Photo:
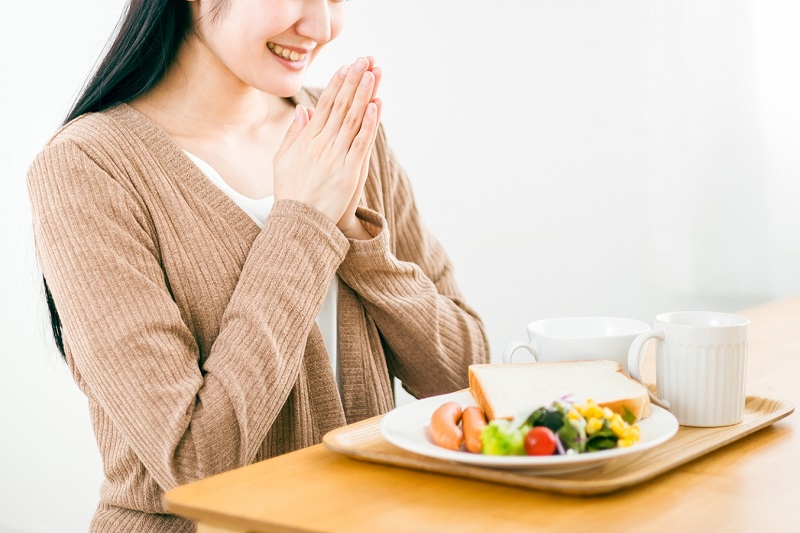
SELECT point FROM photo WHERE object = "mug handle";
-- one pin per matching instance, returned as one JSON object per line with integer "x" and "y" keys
{"x": 512, "y": 347}
{"x": 635, "y": 356}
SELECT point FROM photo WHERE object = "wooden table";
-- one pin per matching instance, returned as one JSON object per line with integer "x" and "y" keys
{"x": 750, "y": 485}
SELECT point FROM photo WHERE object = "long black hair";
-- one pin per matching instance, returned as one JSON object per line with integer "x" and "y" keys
{"x": 146, "y": 41}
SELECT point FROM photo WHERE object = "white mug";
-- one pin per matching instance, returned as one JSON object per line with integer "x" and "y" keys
{"x": 701, "y": 359}
{"x": 579, "y": 339}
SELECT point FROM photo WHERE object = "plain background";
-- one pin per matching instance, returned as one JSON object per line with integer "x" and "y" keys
{"x": 575, "y": 158}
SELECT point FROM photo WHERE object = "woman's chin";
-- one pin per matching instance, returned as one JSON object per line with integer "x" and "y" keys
{"x": 289, "y": 93}
{"x": 282, "y": 90}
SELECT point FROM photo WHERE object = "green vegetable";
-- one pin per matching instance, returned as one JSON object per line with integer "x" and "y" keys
{"x": 552, "y": 417}
{"x": 628, "y": 416}
{"x": 602, "y": 443}
{"x": 536, "y": 417}
{"x": 573, "y": 435}
{"x": 499, "y": 437}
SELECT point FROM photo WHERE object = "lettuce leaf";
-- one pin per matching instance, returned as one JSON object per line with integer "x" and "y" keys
{"x": 573, "y": 436}
{"x": 500, "y": 437}
{"x": 628, "y": 416}
{"x": 603, "y": 439}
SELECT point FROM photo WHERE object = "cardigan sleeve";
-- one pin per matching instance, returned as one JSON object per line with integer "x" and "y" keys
{"x": 99, "y": 254}
{"x": 405, "y": 280}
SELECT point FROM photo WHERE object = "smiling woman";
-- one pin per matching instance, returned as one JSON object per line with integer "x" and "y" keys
{"x": 234, "y": 264}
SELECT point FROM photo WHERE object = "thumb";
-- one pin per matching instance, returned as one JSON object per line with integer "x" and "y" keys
{"x": 300, "y": 121}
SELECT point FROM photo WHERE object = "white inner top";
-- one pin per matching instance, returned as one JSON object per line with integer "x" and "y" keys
{"x": 258, "y": 209}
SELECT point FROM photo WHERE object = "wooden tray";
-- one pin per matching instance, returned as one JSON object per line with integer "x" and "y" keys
{"x": 363, "y": 440}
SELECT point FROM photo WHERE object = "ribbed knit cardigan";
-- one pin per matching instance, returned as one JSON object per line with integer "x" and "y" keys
{"x": 192, "y": 332}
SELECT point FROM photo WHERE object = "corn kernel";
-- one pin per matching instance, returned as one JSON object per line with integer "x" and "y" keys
{"x": 624, "y": 443}
{"x": 593, "y": 425}
{"x": 618, "y": 427}
{"x": 593, "y": 412}
{"x": 608, "y": 414}
{"x": 573, "y": 415}
{"x": 629, "y": 434}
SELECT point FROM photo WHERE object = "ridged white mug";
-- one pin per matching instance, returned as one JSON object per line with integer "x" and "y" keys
{"x": 701, "y": 358}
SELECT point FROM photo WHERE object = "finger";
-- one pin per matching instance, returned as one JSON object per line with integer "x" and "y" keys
{"x": 344, "y": 99}
{"x": 351, "y": 124}
{"x": 362, "y": 144}
{"x": 299, "y": 122}
{"x": 326, "y": 100}
{"x": 378, "y": 109}
{"x": 305, "y": 116}
{"x": 378, "y": 73}
{"x": 364, "y": 173}
{"x": 365, "y": 166}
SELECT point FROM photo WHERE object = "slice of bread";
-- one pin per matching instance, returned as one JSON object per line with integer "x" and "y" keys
{"x": 506, "y": 390}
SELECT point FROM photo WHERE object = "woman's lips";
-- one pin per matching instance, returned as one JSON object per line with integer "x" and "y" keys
{"x": 285, "y": 53}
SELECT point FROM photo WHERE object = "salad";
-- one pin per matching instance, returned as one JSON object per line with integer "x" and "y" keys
{"x": 561, "y": 428}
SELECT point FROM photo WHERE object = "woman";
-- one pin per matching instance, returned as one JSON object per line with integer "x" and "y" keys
{"x": 234, "y": 265}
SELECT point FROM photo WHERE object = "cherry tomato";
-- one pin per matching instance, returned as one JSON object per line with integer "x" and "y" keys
{"x": 540, "y": 440}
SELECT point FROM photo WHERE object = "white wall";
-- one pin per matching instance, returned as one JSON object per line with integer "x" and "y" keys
{"x": 621, "y": 158}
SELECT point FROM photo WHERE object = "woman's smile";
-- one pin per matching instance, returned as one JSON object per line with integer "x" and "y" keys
{"x": 286, "y": 52}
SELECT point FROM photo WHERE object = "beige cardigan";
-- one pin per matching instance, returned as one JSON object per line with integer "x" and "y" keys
{"x": 192, "y": 332}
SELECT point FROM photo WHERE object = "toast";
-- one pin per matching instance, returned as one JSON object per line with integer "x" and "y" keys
{"x": 506, "y": 390}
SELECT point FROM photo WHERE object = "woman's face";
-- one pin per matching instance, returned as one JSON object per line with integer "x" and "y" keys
{"x": 267, "y": 44}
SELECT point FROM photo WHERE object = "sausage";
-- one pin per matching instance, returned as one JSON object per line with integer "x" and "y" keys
{"x": 444, "y": 426}
{"x": 473, "y": 421}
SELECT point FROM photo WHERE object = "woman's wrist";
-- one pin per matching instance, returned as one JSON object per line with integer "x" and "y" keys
{"x": 354, "y": 229}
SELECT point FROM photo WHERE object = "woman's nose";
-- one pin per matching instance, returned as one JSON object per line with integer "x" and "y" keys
{"x": 315, "y": 21}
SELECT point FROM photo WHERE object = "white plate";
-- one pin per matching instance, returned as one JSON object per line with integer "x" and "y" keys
{"x": 407, "y": 427}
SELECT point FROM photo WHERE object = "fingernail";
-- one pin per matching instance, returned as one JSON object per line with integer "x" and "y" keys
{"x": 343, "y": 71}
{"x": 366, "y": 80}
{"x": 361, "y": 64}
{"x": 298, "y": 112}
{"x": 371, "y": 109}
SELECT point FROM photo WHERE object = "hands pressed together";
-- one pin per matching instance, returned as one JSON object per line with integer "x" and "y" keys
{"x": 324, "y": 158}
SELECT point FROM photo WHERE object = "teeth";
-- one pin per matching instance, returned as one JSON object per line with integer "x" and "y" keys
{"x": 290, "y": 55}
